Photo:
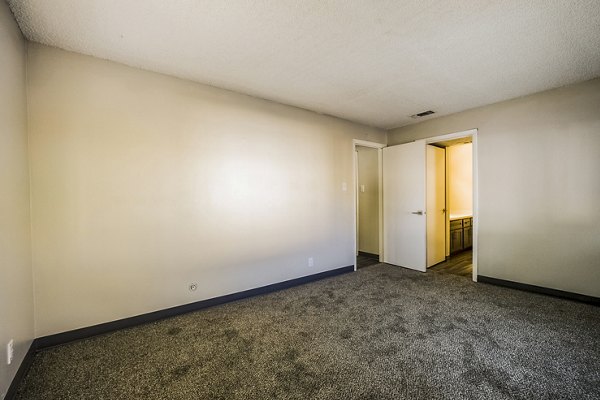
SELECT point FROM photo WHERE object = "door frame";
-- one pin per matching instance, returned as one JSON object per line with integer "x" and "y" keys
{"x": 472, "y": 133}
{"x": 379, "y": 147}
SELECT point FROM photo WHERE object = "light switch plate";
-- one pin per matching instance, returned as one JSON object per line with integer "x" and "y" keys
{"x": 10, "y": 352}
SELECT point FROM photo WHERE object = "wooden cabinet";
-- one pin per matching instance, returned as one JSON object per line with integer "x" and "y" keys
{"x": 456, "y": 224}
{"x": 461, "y": 234}
{"x": 468, "y": 237}
{"x": 456, "y": 240}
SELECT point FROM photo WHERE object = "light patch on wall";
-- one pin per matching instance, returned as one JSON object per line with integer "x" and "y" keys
{"x": 249, "y": 188}
{"x": 460, "y": 179}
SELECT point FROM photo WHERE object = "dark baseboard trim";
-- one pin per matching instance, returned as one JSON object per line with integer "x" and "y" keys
{"x": 82, "y": 333}
{"x": 21, "y": 372}
{"x": 539, "y": 289}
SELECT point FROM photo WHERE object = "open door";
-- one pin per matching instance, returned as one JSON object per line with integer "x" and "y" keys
{"x": 436, "y": 205}
{"x": 404, "y": 222}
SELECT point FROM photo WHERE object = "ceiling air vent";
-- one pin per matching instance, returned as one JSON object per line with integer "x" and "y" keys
{"x": 422, "y": 114}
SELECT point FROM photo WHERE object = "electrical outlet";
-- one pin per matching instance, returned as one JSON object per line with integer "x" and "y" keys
{"x": 311, "y": 262}
{"x": 10, "y": 352}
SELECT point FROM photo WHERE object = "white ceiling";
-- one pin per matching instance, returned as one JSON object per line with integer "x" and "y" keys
{"x": 371, "y": 61}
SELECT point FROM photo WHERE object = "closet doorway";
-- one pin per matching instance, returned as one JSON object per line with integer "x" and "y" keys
{"x": 368, "y": 202}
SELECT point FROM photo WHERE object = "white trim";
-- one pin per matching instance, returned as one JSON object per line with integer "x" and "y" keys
{"x": 475, "y": 222}
{"x": 452, "y": 136}
{"x": 473, "y": 134}
{"x": 379, "y": 147}
{"x": 357, "y": 206}
{"x": 364, "y": 143}
{"x": 380, "y": 171}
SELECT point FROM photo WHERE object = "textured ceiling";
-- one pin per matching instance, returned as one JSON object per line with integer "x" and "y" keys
{"x": 371, "y": 61}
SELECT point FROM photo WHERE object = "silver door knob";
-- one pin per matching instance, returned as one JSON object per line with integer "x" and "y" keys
{"x": 420, "y": 212}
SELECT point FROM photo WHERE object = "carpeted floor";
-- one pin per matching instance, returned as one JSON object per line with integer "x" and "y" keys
{"x": 382, "y": 332}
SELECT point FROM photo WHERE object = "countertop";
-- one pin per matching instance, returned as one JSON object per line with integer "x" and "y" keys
{"x": 459, "y": 216}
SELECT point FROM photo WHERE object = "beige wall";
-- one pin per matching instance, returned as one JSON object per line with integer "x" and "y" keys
{"x": 143, "y": 183}
{"x": 539, "y": 191}
{"x": 16, "y": 296}
{"x": 460, "y": 179}
{"x": 368, "y": 201}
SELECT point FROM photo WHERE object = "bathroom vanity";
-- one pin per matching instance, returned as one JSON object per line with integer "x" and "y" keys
{"x": 461, "y": 233}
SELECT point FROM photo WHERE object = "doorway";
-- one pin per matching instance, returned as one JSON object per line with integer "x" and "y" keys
{"x": 450, "y": 206}
{"x": 368, "y": 202}
{"x": 405, "y": 204}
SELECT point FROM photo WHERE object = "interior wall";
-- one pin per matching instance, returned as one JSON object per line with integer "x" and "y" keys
{"x": 539, "y": 193}
{"x": 16, "y": 292}
{"x": 460, "y": 179}
{"x": 144, "y": 183}
{"x": 368, "y": 201}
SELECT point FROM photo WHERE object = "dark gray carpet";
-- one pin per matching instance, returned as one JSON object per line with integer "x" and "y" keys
{"x": 380, "y": 333}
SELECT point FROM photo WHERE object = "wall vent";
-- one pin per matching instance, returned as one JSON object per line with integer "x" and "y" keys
{"x": 422, "y": 114}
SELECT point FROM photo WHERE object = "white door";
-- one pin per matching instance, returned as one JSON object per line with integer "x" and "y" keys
{"x": 404, "y": 223}
{"x": 436, "y": 205}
